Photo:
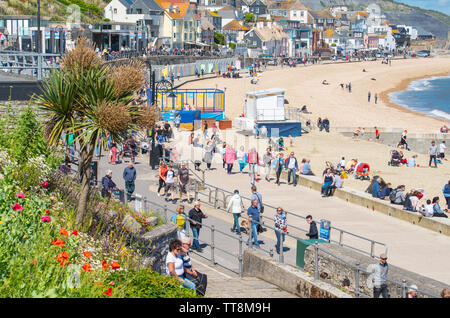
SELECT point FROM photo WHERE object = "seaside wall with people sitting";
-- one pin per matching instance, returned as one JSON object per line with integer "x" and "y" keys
{"x": 337, "y": 271}
{"x": 438, "y": 225}
{"x": 418, "y": 142}
{"x": 287, "y": 277}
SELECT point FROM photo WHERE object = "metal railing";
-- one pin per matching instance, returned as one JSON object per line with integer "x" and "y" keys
{"x": 23, "y": 62}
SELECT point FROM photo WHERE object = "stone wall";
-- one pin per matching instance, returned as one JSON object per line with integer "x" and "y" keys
{"x": 338, "y": 270}
{"x": 287, "y": 277}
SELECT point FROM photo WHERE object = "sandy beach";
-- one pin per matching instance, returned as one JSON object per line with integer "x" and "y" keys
{"x": 343, "y": 109}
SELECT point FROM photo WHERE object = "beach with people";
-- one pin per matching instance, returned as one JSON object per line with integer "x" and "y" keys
{"x": 345, "y": 109}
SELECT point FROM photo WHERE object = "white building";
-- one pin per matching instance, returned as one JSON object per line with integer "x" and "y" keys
{"x": 411, "y": 31}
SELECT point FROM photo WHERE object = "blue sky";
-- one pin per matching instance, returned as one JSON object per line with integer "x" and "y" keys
{"x": 438, "y": 5}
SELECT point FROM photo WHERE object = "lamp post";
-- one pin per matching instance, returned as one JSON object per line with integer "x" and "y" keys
{"x": 38, "y": 37}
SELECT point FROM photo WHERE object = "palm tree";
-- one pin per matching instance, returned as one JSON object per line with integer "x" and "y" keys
{"x": 92, "y": 100}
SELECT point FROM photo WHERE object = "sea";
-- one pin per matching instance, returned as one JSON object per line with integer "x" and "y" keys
{"x": 430, "y": 96}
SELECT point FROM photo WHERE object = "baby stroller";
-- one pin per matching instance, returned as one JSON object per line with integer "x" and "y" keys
{"x": 362, "y": 171}
{"x": 395, "y": 159}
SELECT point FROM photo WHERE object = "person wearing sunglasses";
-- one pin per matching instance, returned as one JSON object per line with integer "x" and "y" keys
{"x": 174, "y": 264}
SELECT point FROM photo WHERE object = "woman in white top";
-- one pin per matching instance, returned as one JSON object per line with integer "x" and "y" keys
{"x": 174, "y": 264}
{"x": 241, "y": 158}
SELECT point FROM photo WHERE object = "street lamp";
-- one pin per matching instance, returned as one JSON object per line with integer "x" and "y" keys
{"x": 38, "y": 37}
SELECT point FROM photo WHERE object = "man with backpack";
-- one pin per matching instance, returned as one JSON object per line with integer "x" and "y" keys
{"x": 397, "y": 196}
{"x": 256, "y": 196}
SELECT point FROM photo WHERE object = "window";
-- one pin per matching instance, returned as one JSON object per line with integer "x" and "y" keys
{"x": 185, "y": 36}
{"x": 174, "y": 35}
{"x": 139, "y": 11}
{"x": 213, "y": 2}
{"x": 256, "y": 10}
{"x": 185, "y": 24}
{"x": 115, "y": 10}
{"x": 254, "y": 42}
{"x": 174, "y": 23}
{"x": 224, "y": 1}
{"x": 190, "y": 24}
{"x": 295, "y": 13}
{"x": 190, "y": 36}
{"x": 302, "y": 13}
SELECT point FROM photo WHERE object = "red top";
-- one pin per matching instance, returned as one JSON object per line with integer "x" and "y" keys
{"x": 162, "y": 172}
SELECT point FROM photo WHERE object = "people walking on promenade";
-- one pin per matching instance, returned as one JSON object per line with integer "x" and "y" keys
{"x": 279, "y": 165}
{"x": 253, "y": 212}
{"x": 281, "y": 226}
{"x": 183, "y": 181}
{"x": 446, "y": 192}
{"x": 253, "y": 161}
{"x": 208, "y": 156}
{"x": 108, "y": 185}
{"x": 129, "y": 175}
{"x": 169, "y": 176}
{"x": 179, "y": 219}
{"x": 368, "y": 97}
{"x": 313, "y": 233}
{"x": 241, "y": 157}
{"x": 267, "y": 160}
{"x": 292, "y": 167}
{"x": 161, "y": 176}
{"x": 235, "y": 206}
{"x": 230, "y": 157}
{"x": 376, "y": 97}
{"x": 196, "y": 215}
{"x": 379, "y": 272}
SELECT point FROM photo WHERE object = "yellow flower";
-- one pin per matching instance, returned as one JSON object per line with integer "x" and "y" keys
{"x": 1, "y": 222}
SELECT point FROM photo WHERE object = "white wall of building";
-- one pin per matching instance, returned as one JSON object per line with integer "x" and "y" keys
{"x": 117, "y": 12}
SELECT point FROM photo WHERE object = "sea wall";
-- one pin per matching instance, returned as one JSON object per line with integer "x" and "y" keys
{"x": 337, "y": 271}
{"x": 287, "y": 277}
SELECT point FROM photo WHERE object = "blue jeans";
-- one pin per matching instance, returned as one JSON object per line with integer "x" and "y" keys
{"x": 254, "y": 234}
{"x": 187, "y": 283}
{"x": 195, "y": 233}
{"x": 236, "y": 225}
{"x": 325, "y": 187}
{"x": 294, "y": 176}
{"x": 279, "y": 236}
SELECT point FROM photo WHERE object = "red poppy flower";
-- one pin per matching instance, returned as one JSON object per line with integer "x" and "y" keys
{"x": 74, "y": 232}
{"x": 17, "y": 207}
{"x": 47, "y": 211}
{"x": 105, "y": 264}
{"x": 46, "y": 218}
{"x": 87, "y": 254}
{"x": 34, "y": 262}
{"x": 58, "y": 242}
{"x": 45, "y": 184}
{"x": 108, "y": 291}
{"x": 20, "y": 195}
{"x": 115, "y": 265}
{"x": 98, "y": 283}
{"x": 86, "y": 267}
{"x": 63, "y": 232}
{"x": 64, "y": 255}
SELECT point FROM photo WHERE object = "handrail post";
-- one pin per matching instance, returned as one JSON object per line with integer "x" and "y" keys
{"x": 212, "y": 245}
{"x": 196, "y": 191}
{"x": 203, "y": 177}
{"x": 215, "y": 197}
{"x": 357, "y": 280}
{"x": 372, "y": 248}
{"x": 341, "y": 237}
{"x": 316, "y": 260}
{"x": 250, "y": 230}
{"x": 39, "y": 66}
{"x": 165, "y": 212}
{"x": 240, "y": 258}
{"x": 404, "y": 286}
{"x": 145, "y": 204}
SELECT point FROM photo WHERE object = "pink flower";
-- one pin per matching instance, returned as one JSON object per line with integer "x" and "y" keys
{"x": 17, "y": 207}
{"x": 20, "y": 195}
{"x": 45, "y": 184}
{"x": 46, "y": 218}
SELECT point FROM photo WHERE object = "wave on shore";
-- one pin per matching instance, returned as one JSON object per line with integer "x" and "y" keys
{"x": 430, "y": 96}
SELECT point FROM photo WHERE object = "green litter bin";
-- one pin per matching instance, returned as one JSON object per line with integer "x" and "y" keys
{"x": 301, "y": 247}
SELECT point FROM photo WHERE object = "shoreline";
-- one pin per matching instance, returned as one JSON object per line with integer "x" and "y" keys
{"x": 402, "y": 86}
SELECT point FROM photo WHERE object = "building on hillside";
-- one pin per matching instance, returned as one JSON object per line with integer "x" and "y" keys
{"x": 401, "y": 36}
{"x": 228, "y": 14}
{"x": 118, "y": 36}
{"x": 179, "y": 25}
{"x": 213, "y": 17}
{"x": 422, "y": 34}
{"x": 300, "y": 37}
{"x": 412, "y": 31}
{"x": 146, "y": 14}
{"x": 234, "y": 32}
{"x": 206, "y": 31}
{"x": 293, "y": 10}
{"x": 215, "y": 5}
{"x": 257, "y": 7}
{"x": 322, "y": 20}
{"x": 371, "y": 42}
{"x": 269, "y": 38}
{"x": 334, "y": 10}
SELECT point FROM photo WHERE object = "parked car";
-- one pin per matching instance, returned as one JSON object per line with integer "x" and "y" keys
{"x": 272, "y": 62}
{"x": 423, "y": 53}
{"x": 388, "y": 54}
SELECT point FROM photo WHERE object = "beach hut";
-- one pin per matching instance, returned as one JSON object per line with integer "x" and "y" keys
{"x": 265, "y": 104}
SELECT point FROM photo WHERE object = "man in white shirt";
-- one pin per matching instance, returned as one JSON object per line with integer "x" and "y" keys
{"x": 442, "y": 148}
